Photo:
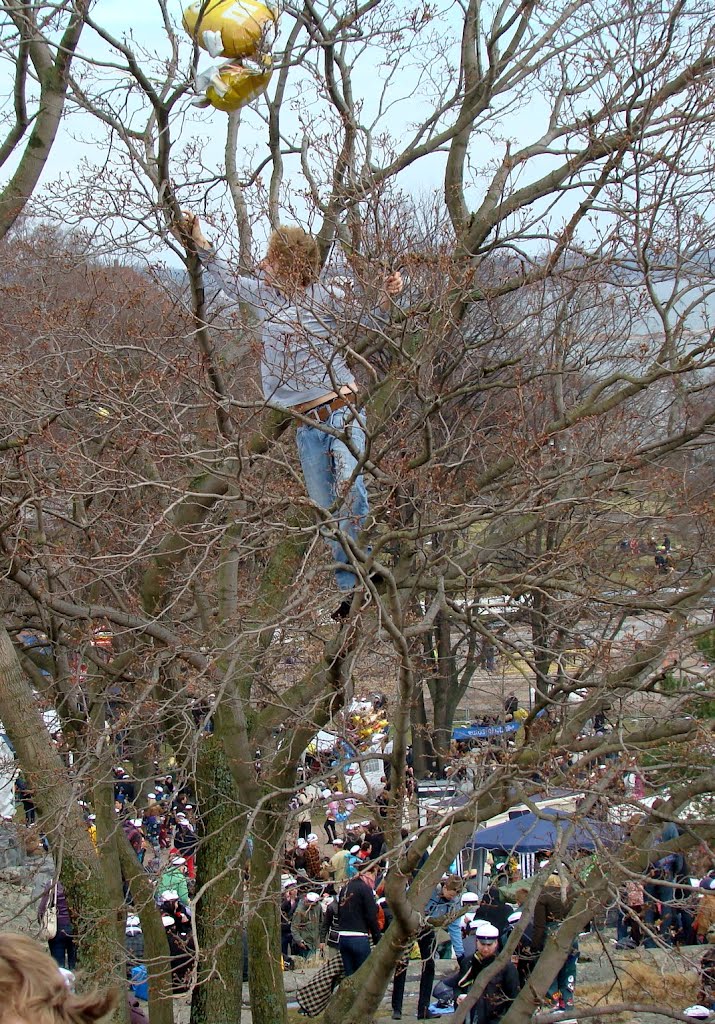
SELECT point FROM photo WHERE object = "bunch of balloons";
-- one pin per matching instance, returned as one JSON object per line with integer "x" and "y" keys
{"x": 240, "y": 30}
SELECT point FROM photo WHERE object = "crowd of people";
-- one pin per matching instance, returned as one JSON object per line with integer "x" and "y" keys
{"x": 343, "y": 912}
{"x": 161, "y": 830}
{"x": 334, "y": 908}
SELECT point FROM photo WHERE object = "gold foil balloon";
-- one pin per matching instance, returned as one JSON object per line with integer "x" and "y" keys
{"x": 230, "y": 28}
{"x": 233, "y": 85}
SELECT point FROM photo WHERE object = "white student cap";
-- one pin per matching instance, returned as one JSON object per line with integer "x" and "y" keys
{"x": 487, "y": 931}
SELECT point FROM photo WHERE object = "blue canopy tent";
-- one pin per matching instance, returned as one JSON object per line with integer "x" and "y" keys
{"x": 527, "y": 833}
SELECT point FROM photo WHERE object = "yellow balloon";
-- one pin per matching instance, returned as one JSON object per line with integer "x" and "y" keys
{"x": 230, "y": 28}
{"x": 242, "y": 85}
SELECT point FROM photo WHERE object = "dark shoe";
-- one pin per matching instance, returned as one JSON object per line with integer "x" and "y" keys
{"x": 428, "y": 1016}
{"x": 396, "y": 1015}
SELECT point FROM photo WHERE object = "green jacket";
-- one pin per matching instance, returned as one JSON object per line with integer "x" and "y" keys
{"x": 174, "y": 878}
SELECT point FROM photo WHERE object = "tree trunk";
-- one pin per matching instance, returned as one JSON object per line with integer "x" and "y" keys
{"x": 156, "y": 945}
{"x": 265, "y": 977}
{"x": 61, "y": 820}
{"x": 218, "y": 910}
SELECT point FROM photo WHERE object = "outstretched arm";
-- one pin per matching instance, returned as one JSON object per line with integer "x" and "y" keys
{"x": 246, "y": 289}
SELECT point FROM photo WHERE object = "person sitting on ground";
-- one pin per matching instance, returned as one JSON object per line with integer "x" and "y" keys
{"x": 35, "y": 992}
{"x": 304, "y": 370}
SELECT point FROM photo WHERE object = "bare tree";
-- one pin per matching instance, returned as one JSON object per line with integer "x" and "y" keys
{"x": 532, "y": 400}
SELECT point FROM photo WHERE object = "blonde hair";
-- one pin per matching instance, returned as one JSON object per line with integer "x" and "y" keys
{"x": 33, "y": 990}
{"x": 293, "y": 252}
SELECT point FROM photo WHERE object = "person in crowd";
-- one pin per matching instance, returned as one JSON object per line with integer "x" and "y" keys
{"x": 306, "y": 925}
{"x": 299, "y": 857}
{"x": 524, "y": 957}
{"x": 312, "y": 857}
{"x": 304, "y": 369}
{"x": 354, "y": 861}
{"x": 375, "y": 836}
{"x": 289, "y": 902}
{"x": 550, "y": 911}
{"x": 35, "y": 992}
{"x": 339, "y": 863}
{"x": 471, "y": 880}
{"x": 133, "y": 829}
{"x": 442, "y": 910}
{"x": 630, "y": 915}
{"x": 357, "y": 918}
{"x": 305, "y": 798}
{"x": 501, "y": 990}
{"x": 492, "y": 909}
{"x": 173, "y": 877}
{"x": 331, "y": 810}
{"x": 62, "y": 946}
{"x": 662, "y": 893}
{"x": 329, "y": 925}
{"x": 704, "y": 923}
{"x": 134, "y": 940}
{"x": 181, "y": 955}
{"x": 172, "y": 906}
{"x": 24, "y": 794}
{"x": 185, "y": 843}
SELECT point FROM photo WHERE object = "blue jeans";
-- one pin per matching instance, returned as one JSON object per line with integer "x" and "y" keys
{"x": 328, "y": 465}
{"x": 354, "y": 950}
{"x": 63, "y": 949}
